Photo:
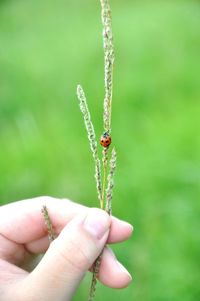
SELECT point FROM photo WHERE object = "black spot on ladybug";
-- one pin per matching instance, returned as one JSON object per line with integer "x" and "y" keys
{"x": 105, "y": 140}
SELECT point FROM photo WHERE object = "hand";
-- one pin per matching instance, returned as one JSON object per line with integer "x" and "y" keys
{"x": 83, "y": 233}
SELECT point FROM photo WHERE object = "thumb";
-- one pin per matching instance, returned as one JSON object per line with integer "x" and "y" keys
{"x": 69, "y": 257}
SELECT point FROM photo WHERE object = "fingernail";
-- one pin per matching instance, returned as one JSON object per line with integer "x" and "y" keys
{"x": 97, "y": 223}
{"x": 128, "y": 225}
{"x": 124, "y": 270}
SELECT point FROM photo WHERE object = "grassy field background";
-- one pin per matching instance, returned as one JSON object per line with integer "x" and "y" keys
{"x": 46, "y": 48}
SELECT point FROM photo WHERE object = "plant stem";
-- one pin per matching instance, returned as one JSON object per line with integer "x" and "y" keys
{"x": 110, "y": 182}
{"x": 48, "y": 223}
{"x": 105, "y": 164}
{"x": 96, "y": 269}
{"x": 108, "y": 62}
{"x": 92, "y": 138}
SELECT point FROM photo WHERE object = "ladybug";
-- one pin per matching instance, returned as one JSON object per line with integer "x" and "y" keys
{"x": 105, "y": 140}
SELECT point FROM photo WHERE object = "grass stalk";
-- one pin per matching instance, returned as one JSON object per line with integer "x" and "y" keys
{"x": 48, "y": 223}
{"x": 105, "y": 164}
{"x": 92, "y": 139}
{"x": 110, "y": 182}
{"x": 104, "y": 181}
{"x": 108, "y": 62}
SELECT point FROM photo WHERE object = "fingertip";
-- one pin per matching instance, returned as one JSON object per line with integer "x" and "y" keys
{"x": 97, "y": 222}
{"x": 127, "y": 226}
{"x": 120, "y": 230}
{"x": 126, "y": 276}
{"x": 112, "y": 273}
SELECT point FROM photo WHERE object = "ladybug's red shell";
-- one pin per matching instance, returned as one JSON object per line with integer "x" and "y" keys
{"x": 105, "y": 140}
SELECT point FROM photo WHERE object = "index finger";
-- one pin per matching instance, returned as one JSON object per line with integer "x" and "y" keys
{"x": 22, "y": 221}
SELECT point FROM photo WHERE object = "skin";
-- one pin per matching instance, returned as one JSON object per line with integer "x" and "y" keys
{"x": 82, "y": 234}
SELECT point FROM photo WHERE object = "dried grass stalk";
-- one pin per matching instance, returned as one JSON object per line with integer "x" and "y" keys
{"x": 92, "y": 138}
{"x": 109, "y": 190}
{"x": 48, "y": 223}
{"x": 103, "y": 193}
{"x": 108, "y": 62}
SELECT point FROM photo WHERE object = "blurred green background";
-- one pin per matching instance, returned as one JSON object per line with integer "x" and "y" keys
{"x": 46, "y": 48}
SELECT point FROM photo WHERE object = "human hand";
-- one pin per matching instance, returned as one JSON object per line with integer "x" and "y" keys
{"x": 83, "y": 233}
